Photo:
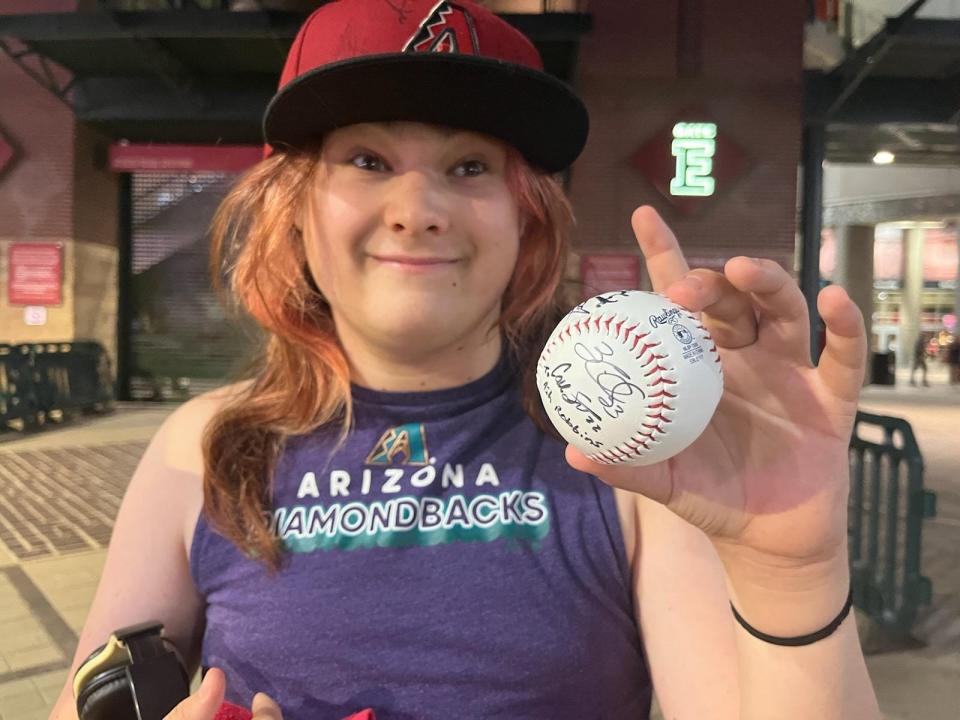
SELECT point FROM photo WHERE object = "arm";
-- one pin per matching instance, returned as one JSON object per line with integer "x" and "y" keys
{"x": 766, "y": 486}
{"x": 147, "y": 574}
{"x": 704, "y": 664}
{"x": 685, "y": 622}
{"x": 826, "y": 679}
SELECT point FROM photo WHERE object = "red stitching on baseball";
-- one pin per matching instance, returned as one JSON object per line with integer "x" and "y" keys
{"x": 663, "y": 393}
{"x": 636, "y": 341}
{"x": 659, "y": 367}
{"x": 663, "y": 381}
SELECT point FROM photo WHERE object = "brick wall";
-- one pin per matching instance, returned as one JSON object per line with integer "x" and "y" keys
{"x": 749, "y": 82}
{"x": 36, "y": 189}
{"x": 55, "y": 191}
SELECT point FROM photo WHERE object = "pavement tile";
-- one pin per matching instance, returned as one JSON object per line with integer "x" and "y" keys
{"x": 56, "y": 501}
{"x": 914, "y": 686}
{"x": 20, "y": 699}
{"x": 49, "y": 685}
{"x": 32, "y": 657}
{"x": 68, "y": 582}
{"x": 16, "y": 638}
{"x": 24, "y": 706}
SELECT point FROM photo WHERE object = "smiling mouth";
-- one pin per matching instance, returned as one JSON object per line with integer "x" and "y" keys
{"x": 413, "y": 261}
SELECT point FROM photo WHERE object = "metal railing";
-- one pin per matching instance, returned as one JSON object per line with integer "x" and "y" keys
{"x": 887, "y": 507}
{"x": 43, "y": 382}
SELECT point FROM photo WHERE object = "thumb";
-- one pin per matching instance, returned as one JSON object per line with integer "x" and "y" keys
{"x": 205, "y": 702}
{"x": 650, "y": 480}
{"x": 264, "y": 708}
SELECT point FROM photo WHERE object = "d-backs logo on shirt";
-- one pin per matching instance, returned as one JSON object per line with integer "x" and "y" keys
{"x": 402, "y": 496}
{"x": 406, "y": 442}
{"x": 448, "y": 28}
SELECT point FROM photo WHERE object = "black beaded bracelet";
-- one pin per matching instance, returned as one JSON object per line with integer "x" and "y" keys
{"x": 803, "y": 639}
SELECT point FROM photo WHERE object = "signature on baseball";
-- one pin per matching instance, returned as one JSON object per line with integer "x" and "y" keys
{"x": 611, "y": 382}
{"x": 581, "y": 401}
{"x": 598, "y": 302}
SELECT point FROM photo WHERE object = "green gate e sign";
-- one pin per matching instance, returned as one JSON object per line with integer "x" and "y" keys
{"x": 694, "y": 145}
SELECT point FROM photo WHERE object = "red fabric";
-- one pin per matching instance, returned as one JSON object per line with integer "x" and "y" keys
{"x": 354, "y": 28}
{"x": 229, "y": 711}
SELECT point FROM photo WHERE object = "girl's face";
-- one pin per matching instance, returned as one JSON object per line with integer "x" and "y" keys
{"x": 411, "y": 234}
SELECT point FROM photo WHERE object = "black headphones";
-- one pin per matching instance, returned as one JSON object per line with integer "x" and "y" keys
{"x": 137, "y": 675}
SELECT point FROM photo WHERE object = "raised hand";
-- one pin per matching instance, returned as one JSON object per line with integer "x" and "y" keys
{"x": 767, "y": 481}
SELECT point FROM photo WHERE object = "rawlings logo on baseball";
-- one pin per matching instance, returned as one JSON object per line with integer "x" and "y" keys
{"x": 628, "y": 377}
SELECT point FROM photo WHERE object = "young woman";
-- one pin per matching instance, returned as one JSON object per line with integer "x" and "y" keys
{"x": 380, "y": 518}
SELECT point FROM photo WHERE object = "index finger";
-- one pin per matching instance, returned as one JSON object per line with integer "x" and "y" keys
{"x": 661, "y": 251}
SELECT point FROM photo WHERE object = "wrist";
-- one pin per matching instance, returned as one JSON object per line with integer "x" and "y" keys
{"x": 786, "y": 599}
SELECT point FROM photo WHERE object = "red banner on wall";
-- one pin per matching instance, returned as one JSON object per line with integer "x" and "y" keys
{"x": 134, "y": 157}
{"x": 604, "y": 273}
{"x": 35, "y": 274}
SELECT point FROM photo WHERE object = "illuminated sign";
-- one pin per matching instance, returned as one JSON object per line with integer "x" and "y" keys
{"x": 694, "y": 146}
{"x": 689, "y": 162}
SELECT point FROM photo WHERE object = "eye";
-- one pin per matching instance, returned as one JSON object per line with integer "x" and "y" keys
{"x": 368, "y": 161}
{"x": 470, "y": 168}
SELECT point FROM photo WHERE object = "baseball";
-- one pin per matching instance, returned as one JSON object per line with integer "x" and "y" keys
{"x": 630, "y": 378}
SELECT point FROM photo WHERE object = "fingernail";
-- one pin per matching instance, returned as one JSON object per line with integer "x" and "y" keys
{"x": 755, "y": 261}
{"x": 693, "y": 281}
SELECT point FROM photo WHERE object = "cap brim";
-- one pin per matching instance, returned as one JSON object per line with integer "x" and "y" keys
{"x": 533, "y": 111}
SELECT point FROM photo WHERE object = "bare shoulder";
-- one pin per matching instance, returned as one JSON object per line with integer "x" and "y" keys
{"x": 177, "y": 450}
{"x": 180, "y": 438}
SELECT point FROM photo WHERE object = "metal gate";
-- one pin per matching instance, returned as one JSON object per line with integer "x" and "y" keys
{"x": 181, "y": 340}
{"x": 888, "y": 504}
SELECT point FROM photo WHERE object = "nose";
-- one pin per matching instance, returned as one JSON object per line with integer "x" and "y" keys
{"x": 416, "y": 205}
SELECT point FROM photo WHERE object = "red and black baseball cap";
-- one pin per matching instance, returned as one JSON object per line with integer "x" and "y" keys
{"x": 446, "y": 63}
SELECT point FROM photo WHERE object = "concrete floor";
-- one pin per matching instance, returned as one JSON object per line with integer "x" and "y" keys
{"x": 51, "y": 557}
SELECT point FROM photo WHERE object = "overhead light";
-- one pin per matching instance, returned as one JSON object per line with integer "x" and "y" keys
{"x": 884, "y": 157}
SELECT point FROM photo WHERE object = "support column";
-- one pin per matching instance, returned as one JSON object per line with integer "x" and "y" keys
{"x": 910, "y": 299}
{"x": 854, "y": 272}
{"x": 811, "y": 223}
{"x": 956, "y": 292}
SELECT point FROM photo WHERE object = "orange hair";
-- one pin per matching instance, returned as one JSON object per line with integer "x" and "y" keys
{"x": 302, "y": 379}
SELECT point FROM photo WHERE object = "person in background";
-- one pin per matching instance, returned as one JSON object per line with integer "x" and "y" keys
{"x": 920, "y": 359}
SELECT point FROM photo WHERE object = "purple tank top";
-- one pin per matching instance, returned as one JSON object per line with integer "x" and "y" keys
{"x": 444, "y": 563}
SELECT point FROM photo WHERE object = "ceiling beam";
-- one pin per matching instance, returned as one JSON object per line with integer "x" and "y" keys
{"x": 855, "y": 69}
{"x": 884, "y": 100}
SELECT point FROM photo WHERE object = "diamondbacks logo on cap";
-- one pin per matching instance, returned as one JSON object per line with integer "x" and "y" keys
{"x": 404, "y": 443}
{"x": 448, "y": 28}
